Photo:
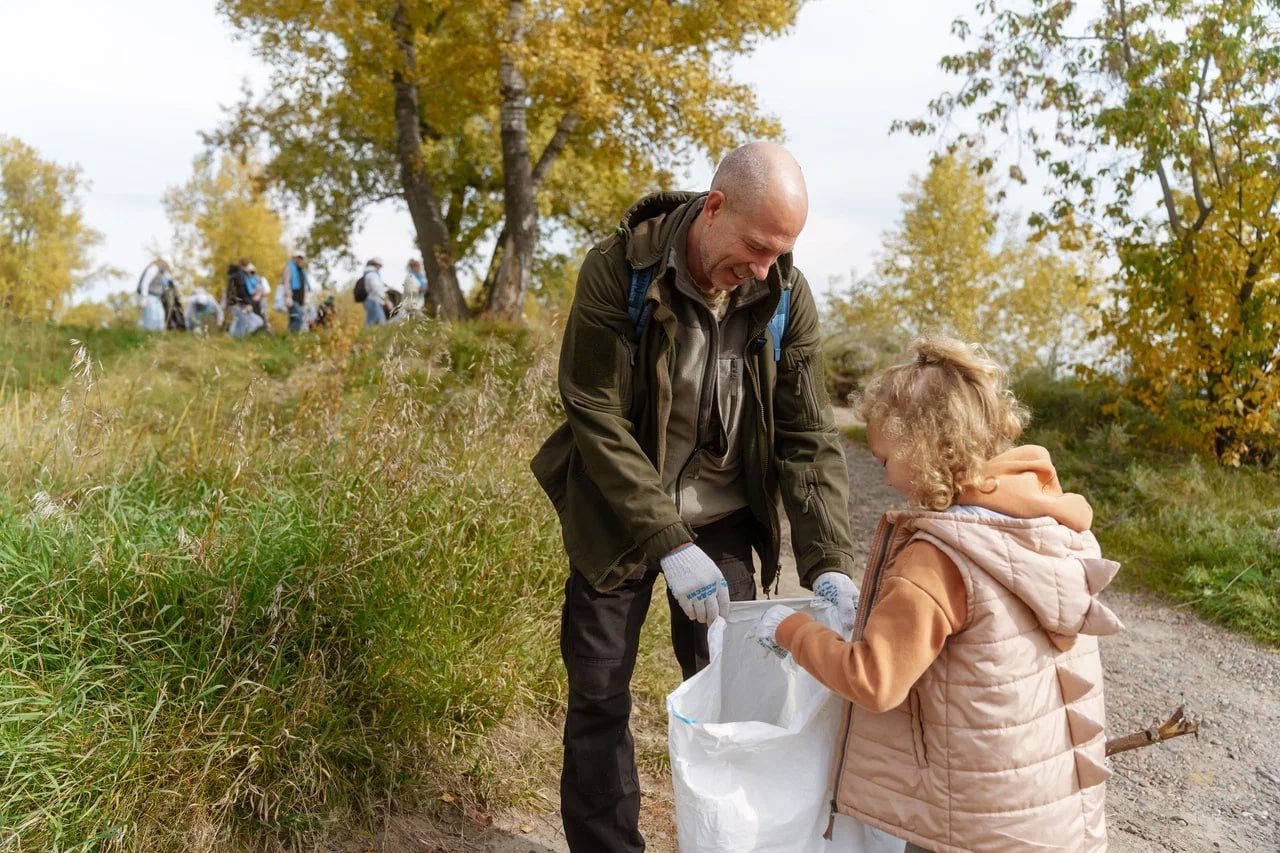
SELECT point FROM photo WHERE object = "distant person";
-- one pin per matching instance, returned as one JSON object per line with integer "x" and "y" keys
{"x": 295, "y": 284}
{"x": 172, "y": 301}
{"x": 376, "y": 305}
{"x": 977, "y": 719}
{"x": 321, "y": 316}
{"x": 258, "y": 291}
{"x": 201, "y": 308}
{"x": 239, "y": 298}
{"x": 415, "y": 284}
{"x": 151, "y": 295}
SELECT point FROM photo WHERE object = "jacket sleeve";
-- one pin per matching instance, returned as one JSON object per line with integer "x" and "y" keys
{"x": 594, "y": 359}
{"x": 813, "y": 474}
{"x": 922, "y": 602}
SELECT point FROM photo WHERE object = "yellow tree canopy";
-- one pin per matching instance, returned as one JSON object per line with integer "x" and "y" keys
{"x": 220, "y": 215}
{"x": 44, "y": 241}
{"x": 1156, "y": 125}
{"x": 946, "y": 268}
{"x": 620, "y": 96}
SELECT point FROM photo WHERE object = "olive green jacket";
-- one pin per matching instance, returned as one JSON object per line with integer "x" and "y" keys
{"x": 601, "y": 468}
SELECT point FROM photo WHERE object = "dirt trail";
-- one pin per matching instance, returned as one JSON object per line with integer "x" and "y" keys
{"x": 1217, "y": 791}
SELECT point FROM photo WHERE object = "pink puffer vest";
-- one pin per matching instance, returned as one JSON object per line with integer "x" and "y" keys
{"x": 1000, "y": 744}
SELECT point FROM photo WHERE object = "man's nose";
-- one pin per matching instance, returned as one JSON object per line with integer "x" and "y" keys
{"x": 760, "y": 270}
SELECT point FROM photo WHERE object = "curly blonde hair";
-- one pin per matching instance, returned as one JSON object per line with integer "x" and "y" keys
{"x": 950, "y": 410}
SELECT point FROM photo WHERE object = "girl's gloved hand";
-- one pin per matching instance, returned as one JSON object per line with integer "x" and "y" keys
{"x": 840, "y": 590}
{"x": 764, "y": 630}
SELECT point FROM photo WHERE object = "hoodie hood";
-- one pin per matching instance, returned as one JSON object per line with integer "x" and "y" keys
{"x": 1038, "y": 547}
{"x": 1023, "y": 483}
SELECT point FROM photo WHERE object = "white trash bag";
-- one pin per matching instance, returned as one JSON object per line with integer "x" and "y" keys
{"x": 752, "y": 740}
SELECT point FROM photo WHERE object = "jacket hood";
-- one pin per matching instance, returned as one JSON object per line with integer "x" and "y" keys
{"x": 1039, "y": 547}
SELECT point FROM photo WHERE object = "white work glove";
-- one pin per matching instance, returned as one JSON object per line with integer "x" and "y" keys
{"x": 697, "y": 583}
{"x": 840, "y": 591}
{"x": 765, "y": 630}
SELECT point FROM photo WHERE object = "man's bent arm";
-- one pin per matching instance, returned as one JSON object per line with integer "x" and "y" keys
{"x": 594, "y": 356}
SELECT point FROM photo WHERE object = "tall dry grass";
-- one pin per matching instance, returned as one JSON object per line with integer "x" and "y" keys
{"x": 251, "y": 591}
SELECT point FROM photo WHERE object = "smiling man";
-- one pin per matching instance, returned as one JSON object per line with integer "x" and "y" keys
{"x": 691, "y": 375}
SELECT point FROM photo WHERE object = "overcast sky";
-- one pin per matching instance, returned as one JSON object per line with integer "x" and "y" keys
{"x": 123, "y": 89}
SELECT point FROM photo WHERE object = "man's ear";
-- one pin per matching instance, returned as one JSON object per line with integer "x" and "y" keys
{"x": 714, "y": 205}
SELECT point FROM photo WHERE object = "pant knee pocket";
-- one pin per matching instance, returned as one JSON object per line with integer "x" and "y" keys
{"x": 598, "y": 679}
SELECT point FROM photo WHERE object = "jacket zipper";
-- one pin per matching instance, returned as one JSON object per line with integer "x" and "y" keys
{"x": 824, "y": 521}
{"x": 804, "y": 388}
{"x": 884, "y": 535}
{"x": 765, "y": 446}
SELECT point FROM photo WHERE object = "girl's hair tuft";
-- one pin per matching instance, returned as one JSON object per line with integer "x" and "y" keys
{"x": 950, "y": 408}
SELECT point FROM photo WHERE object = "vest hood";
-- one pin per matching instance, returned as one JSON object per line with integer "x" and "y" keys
{"x": 1039, "y": 548}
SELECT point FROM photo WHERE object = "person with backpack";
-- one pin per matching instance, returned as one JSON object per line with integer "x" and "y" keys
{"x": 294, "y": 286}
{"x": 372, "y": 291}
{"x": 241, "y": 285}
{"x": 692, "y": 381}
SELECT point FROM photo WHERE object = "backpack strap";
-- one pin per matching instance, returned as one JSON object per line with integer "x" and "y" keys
{"x": 778, "y": 323}
{"x": 637, "y": 307}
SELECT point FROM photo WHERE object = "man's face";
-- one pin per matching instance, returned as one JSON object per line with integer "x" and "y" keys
{"x": 741, "y": 242}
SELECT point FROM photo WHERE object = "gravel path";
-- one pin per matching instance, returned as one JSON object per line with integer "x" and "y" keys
{"x": 1219, "y": 790}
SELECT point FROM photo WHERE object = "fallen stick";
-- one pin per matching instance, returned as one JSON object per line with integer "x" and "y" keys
{"x": 1177, "y": 724}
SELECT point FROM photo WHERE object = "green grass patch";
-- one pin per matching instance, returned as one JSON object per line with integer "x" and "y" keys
{"x": 252, "y": 591}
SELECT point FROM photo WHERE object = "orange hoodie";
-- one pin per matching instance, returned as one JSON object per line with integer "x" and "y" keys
{"x": 922, "y": 600}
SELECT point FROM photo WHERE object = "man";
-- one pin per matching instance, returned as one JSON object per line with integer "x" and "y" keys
{"x": 294, "y": 284}
{"x": 687, "y": 419}
{"x": 376, "y": 306}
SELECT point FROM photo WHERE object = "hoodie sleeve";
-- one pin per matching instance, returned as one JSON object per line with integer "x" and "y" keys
{"x": 922, "y": 602}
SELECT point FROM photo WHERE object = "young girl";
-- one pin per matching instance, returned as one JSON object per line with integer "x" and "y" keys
{"x": 977, "y": 717}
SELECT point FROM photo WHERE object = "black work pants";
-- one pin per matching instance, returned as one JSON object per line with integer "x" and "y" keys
{"x": 599, "y": 639}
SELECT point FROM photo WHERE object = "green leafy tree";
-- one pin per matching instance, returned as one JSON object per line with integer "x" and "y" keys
{"x": 44, "y": 240}
{"x": 492, "y": 119}
{"x": 1156, "y": 122}
{"x": 950, "y": 267}
{"x": 221, "y": 214}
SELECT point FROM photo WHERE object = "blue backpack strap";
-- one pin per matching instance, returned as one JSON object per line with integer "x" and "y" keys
{"x": 778, "y": 323}
{"x": 637, "y": 310}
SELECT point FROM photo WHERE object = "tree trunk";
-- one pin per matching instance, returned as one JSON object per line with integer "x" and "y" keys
{"x": 444, "y": 294}
{"x": 503, "y": 248}
{"x": 506, "y": 297}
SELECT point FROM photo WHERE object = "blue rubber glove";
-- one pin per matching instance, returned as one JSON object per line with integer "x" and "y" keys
{"x": 697, "y": 583}
{"x": 764, "y": 632}
{"x": 840, "y": 591}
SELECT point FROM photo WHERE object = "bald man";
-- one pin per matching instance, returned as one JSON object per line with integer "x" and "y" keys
{"x": 691, "y": 375}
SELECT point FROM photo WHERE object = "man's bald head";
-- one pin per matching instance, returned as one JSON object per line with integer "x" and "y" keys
{"x": 752, "y": 215}
{"x": 761, "y": 172}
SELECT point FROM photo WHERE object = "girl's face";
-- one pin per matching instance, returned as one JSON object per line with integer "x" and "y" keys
{"x": 897, "y": 470}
